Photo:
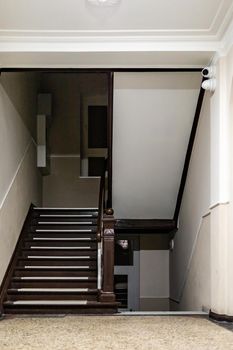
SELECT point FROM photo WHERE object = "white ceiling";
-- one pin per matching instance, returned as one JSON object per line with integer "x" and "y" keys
{"x": 135, "y": 33}
{"x": 160, "y": 16}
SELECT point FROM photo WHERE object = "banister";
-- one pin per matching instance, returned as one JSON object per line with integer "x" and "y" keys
{"x": 108, "y": 244}
{"x": 105, "y": 241}
{"x": 101, "y": 205}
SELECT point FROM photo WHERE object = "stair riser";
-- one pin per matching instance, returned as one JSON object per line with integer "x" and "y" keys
{"x": 84, "y": 235}
{"x": 56, "y": 310}
{"x": 60, "y": 244}
{"x": 54, "y": 284}
{"x": 54, "y": 273}
{"x": 54, "y": 296}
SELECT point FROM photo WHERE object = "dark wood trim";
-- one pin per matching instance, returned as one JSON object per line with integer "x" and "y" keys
{"x": 101, "y": 205}
{"x": 220, "y": 317}
{"x": 110, "y": 136}
{"x": 12, "y": 264}
{"x": 99, "y": 70}
{"x": 189, "y": 153}
{"x": 107, "y": 290}
{"x": 145, "y": 226}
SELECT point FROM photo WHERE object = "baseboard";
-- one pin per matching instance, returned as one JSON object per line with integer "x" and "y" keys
{"x": 174, "y": 300}
{"x": 220, "y": 317}
{"x": 174, "y": 304}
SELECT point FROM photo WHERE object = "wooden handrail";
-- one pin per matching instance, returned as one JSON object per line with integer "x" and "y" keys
{"x": 101, "y": 205}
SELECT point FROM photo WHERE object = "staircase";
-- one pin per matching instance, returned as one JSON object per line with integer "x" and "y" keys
{"x": 54, "y": 270}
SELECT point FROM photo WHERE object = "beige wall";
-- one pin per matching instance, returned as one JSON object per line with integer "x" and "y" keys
{"x": 196, "y": 290}
{"x": 20, "y": 180}
{"x": 25, "y": 189}
{"x": 22, "y": 89}
{"x": 67, "y": 92}
{"x": 63, "y": 186}
{"x": 195, "y": 204}
{"x": 64, "y": 136}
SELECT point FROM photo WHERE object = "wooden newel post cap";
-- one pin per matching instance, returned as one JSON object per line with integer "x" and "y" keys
{"x": 109, "y": 211}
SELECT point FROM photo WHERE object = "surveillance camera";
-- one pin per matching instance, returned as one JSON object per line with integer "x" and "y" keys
{"x": 208, "y": 72}
{"x": 209, "y": 84}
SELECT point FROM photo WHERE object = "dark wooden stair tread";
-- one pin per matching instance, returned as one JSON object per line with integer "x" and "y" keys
{"x": 62, "y": 238}
{"x": 51, "y": 278}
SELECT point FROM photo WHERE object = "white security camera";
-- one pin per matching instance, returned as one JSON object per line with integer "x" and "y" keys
{"x": 209, "y": 84}
{"x": 208, "y": 72}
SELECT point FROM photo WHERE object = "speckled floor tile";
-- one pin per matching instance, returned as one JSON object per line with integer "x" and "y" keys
{"x": 113, "y": 333}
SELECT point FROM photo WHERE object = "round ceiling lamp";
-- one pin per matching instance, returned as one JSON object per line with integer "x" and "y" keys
{"x": 104, "y": 2}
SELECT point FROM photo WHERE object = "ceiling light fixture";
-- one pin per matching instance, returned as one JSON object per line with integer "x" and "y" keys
{"x": 104, "y": 2}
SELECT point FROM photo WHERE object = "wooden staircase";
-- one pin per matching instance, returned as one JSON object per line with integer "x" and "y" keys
{"x": 55, "y": 265}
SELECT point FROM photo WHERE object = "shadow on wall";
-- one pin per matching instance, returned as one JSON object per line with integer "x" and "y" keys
{"x": 64, "y": 188}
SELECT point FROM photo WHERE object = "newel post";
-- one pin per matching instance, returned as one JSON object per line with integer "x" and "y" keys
{"x": 108, "y": 239}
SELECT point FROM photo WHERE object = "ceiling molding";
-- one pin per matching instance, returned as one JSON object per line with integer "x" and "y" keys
{"x": 123, "y": 32}
{"x": 227, "y": 39}
{"x": 225, "y": 23}
{"x": 216, "y": 41}
{"x": 219, "y": 25}
{"x": 106, "y": 44}
{"x": 209, "y": 39}
{"x": 221, "y": 16}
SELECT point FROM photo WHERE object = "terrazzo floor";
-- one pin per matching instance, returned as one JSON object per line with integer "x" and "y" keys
{"x": 113, "y": 332}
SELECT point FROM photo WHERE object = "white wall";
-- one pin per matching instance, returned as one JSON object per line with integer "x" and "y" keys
{"x": 20, "y": 180}
{"x": 229, "y": 102}
{"x": 153, "y": 114}
{"x": 195, "y": 204}
{"x": 196, "y": 292}
{"x": 222, "y": 188}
